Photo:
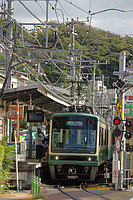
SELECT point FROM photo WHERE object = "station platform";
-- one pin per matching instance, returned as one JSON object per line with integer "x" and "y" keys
{"x": 14, "y": 195}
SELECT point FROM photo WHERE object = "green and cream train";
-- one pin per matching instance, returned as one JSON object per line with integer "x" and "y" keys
{"x": 79, "y": 144}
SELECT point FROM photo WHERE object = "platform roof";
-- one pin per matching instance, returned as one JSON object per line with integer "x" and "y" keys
{"x": 42, "y": 98}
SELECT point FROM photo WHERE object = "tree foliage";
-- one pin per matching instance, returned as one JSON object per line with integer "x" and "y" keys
{"x": 102, "y": 46}
{"x": 6, "y": 163}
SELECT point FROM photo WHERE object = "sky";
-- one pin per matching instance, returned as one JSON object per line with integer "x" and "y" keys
{"x": 114, "y": 21}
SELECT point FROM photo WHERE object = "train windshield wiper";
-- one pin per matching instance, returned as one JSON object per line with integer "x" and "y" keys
{"x": 75, "y": 149}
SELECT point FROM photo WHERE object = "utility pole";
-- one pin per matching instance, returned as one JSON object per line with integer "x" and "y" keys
{"x": 93, "y": 86}
{"x": 120, "y": 114}
{"x": 9, "y": 37}
{"x": 72, "y": 59}
{"x": 47, "y": 1}
{"x": 72, "y": 47}
{"x": 122, "y": 66}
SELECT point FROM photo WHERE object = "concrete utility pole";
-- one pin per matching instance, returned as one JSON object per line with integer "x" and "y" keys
{"x": 72, "y": 59}
{"x": 9, "y": 36}
{"x": 122, "y": 67}
{"x": 72, "y": 47}
{"x": 93, "y": 86}
{"x": 47, "y": 1}
{"x": 122, "y": 64}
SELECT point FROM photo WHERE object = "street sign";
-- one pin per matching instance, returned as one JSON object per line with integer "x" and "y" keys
{"x": 115, "y": 168}
{"x": 120, "y": 84}
{"x": 12, "y": 113}
{"x": 117, "y": 144}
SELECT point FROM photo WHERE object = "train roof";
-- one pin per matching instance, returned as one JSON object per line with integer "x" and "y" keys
{"x": 81, "y": 114}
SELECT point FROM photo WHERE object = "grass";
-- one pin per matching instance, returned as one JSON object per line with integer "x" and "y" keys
{"x": 39, "y": 196}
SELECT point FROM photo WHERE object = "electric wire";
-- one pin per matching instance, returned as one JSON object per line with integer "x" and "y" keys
{"x": 14, "y": 21}
{"x": 61, "y": 43}
{"x": 111, "y": 9}
{"x": 56, "y": 65}
{"x": 40, "y": 46}
{"x": 32, "y": 13}
{"x": 37, "y": 19}
{"x": 27, "y": 59}
{"x": 99, "y": 39}
{"x": 90, "y": 7}
{"x": 94, "y": 13}
{"x": 29, "y": 70}
{"x": 64, "y": 9}
{"x": 18, "y": 56}
{"x": 77, "y": 6}
{"x": 41, "y": 21}
{"x": 43, "y": 9}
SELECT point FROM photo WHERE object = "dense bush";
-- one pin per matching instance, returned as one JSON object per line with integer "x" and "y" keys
{"x": 6, "y": 163}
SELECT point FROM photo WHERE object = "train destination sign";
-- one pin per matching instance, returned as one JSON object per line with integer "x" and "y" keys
{"x": 74, "y": 123}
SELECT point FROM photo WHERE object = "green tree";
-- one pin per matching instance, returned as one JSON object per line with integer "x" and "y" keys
{"x": 6, "y": 164}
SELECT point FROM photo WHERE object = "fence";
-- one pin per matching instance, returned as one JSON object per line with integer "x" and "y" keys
{"x": 128, "y": 178}
{"x": 35, "y": 184}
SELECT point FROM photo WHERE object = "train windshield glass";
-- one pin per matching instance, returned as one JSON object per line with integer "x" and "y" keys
{"x": 74, "y": 134}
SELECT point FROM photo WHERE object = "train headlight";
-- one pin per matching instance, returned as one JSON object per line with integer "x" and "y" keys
{"x": 89, "y": 158}
{"x": 56, "y": 157}
{"x": 59, "y": 168}
{"x": 86, "y": 169}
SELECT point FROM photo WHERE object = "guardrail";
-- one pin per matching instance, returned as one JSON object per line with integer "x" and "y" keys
{"x": 35, "y": 184}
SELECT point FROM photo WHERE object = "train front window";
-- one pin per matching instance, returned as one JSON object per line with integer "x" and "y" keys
{"x": 72, "y": 134}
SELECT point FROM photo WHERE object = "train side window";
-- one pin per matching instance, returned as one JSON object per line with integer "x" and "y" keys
{"x": 107, "y": 137}
{"x": 102, "y": 138}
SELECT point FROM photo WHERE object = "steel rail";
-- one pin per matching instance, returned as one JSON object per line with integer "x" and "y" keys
{"x": 66, "y": 193}
{"x": 92, "y": 193}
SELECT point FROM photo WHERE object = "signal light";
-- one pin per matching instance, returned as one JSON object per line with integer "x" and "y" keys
{"x": 120, "y": 84}
{"x": 117, "y": 132}
{"x": 116, "y": 121}
{"x": 128, "y": 123}
{"x": 128, "y": 135}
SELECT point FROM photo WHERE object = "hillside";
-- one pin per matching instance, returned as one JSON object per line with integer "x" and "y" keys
{"x": 99, "y": 45}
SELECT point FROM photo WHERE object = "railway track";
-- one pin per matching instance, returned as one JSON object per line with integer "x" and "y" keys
{"x": 81, "y": 187}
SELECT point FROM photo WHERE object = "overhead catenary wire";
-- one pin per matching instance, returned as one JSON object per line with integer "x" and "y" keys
{"x": 42, "y": 23}
{"x": 40, "y": 46}
{"x": 52, "y": 61}
{"x": 94, "y": 13}
{"x": 28, "y": 62}
{"x": 42, "y": 9}
{"x": 64, "y": 10}
{"x": 111, "y": 9}
{"x": 77, "y": 6}
{"x": 20, "y": 57}
{"x": 32, "y": 13}
{"x": 14, "y": 21}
